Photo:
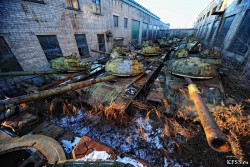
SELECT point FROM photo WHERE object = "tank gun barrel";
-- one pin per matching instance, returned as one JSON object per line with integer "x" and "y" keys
{"x": 26, "y": 73}
{"x": 133, "y": 45}
{"x": 101, "y": 52}
{"x": 215, "y": 138}
{"x": 51, "y": 92}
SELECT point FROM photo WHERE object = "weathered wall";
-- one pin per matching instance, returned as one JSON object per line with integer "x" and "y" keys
{"x": 180, "y": 32}
{"x": 21, "y": 21}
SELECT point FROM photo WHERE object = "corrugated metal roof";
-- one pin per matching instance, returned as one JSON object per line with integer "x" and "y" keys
{"x": 141, "y": 8}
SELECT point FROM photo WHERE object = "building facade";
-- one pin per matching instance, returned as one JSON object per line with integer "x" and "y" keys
{"x": 32, "y": 32}
{"x": 226, "y": 24}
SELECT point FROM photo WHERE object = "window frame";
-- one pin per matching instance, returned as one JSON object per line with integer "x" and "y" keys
{"x": 9, "y": 61}
{"x": 125, "y": 25}
{"x": 221, "y": 35}
{"x": 144, "y": 32}
{"x": 116, "y": 22}
{"x": 135, "y": 36}
{"x": 233, "y": 41}
{"x": 71, "y": 6}
{"x": 83, "y": 45}
{"x": 95, "y": 4}
{"x": 101, "y": 43}
{"x": 46, "y": 51}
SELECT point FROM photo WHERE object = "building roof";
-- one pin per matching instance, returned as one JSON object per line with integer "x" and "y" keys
{"x": 140, "y": 7}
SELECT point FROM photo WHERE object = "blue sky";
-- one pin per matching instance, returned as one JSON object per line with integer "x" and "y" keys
{"x": 179, "y": 13}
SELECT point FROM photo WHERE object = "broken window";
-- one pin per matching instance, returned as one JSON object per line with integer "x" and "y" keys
{"x": 241, "y": 42}
{"x": 50, "y": 46}
{"x": 97, "y": 6}
{"x": 8, "y": 61}
{"x": 82, "y": 44}
{"x": 125, "y": 22}
{"x": 144, "y": 31}
{"x": 115, "y": 19}
{"x": 72, "y": 4}
{"x": 135, "y": 31}
{"x": 101, "y": 42}
{"x": 223, "y": 31}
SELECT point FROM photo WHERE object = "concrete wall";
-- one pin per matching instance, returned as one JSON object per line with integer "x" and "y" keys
{"x": 180, "y": 32}
{"x": 21, "y": 21}
{"x": 230, "y": 8}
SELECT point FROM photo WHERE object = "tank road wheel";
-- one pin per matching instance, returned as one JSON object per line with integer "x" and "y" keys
{"x": 45, "y": 148}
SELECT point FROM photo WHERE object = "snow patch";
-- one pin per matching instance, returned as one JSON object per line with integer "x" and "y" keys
{"x": 68, "y": 145}
{"x": 95, "y": 155}
{"x": 171, "y": 163}
{"x": 151, "y": 136}
{"x": 131, "y": 161}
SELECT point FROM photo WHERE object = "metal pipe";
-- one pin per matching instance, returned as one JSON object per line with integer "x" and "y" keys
{"x": 215, "y": 138}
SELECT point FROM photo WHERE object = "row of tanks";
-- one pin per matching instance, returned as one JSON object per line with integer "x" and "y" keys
{"x": 131, "y": 70}
{"x": 128, "y": 66}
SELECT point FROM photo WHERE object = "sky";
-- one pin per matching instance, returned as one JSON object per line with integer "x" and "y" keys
{"x": 179, "y": 13}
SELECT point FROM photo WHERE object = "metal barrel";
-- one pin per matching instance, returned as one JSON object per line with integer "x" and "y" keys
{"x": 215, "y": 138}
{"x": 51, "y": 92}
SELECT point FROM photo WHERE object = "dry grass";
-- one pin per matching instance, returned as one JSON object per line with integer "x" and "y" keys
{"x": 236, "y": 81}
{"x": 61, "y": 106}
{"x": 108, "y": 114}
{"x": 166, "y": 129}
{"x": 234, "y": 121}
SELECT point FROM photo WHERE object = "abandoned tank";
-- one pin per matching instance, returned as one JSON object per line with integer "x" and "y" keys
{"x": 118, "y": 105}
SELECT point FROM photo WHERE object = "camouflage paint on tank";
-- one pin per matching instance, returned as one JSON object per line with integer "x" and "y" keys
{"x": 151, "y": 50}
{"x": 211, "y": 53}
{"x": 192, "y": 67}
{"x": 119, "y": 49}
{"x": 163, "y": 42}
{"x": 124, "y": 67}
{"x": 69, "y": 63}
{"x": 147, "y": 43}
{"x": 182, "y": 53}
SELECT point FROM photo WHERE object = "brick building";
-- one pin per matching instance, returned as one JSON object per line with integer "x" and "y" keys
{"x": 35, "y": 31}
{"x": 226, "y": 24}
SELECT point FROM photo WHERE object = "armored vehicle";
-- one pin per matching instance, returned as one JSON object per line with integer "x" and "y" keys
{"x": 69, "y": 63}
{"x": 124, "y": 67}
{"x": 192, "y": 67}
